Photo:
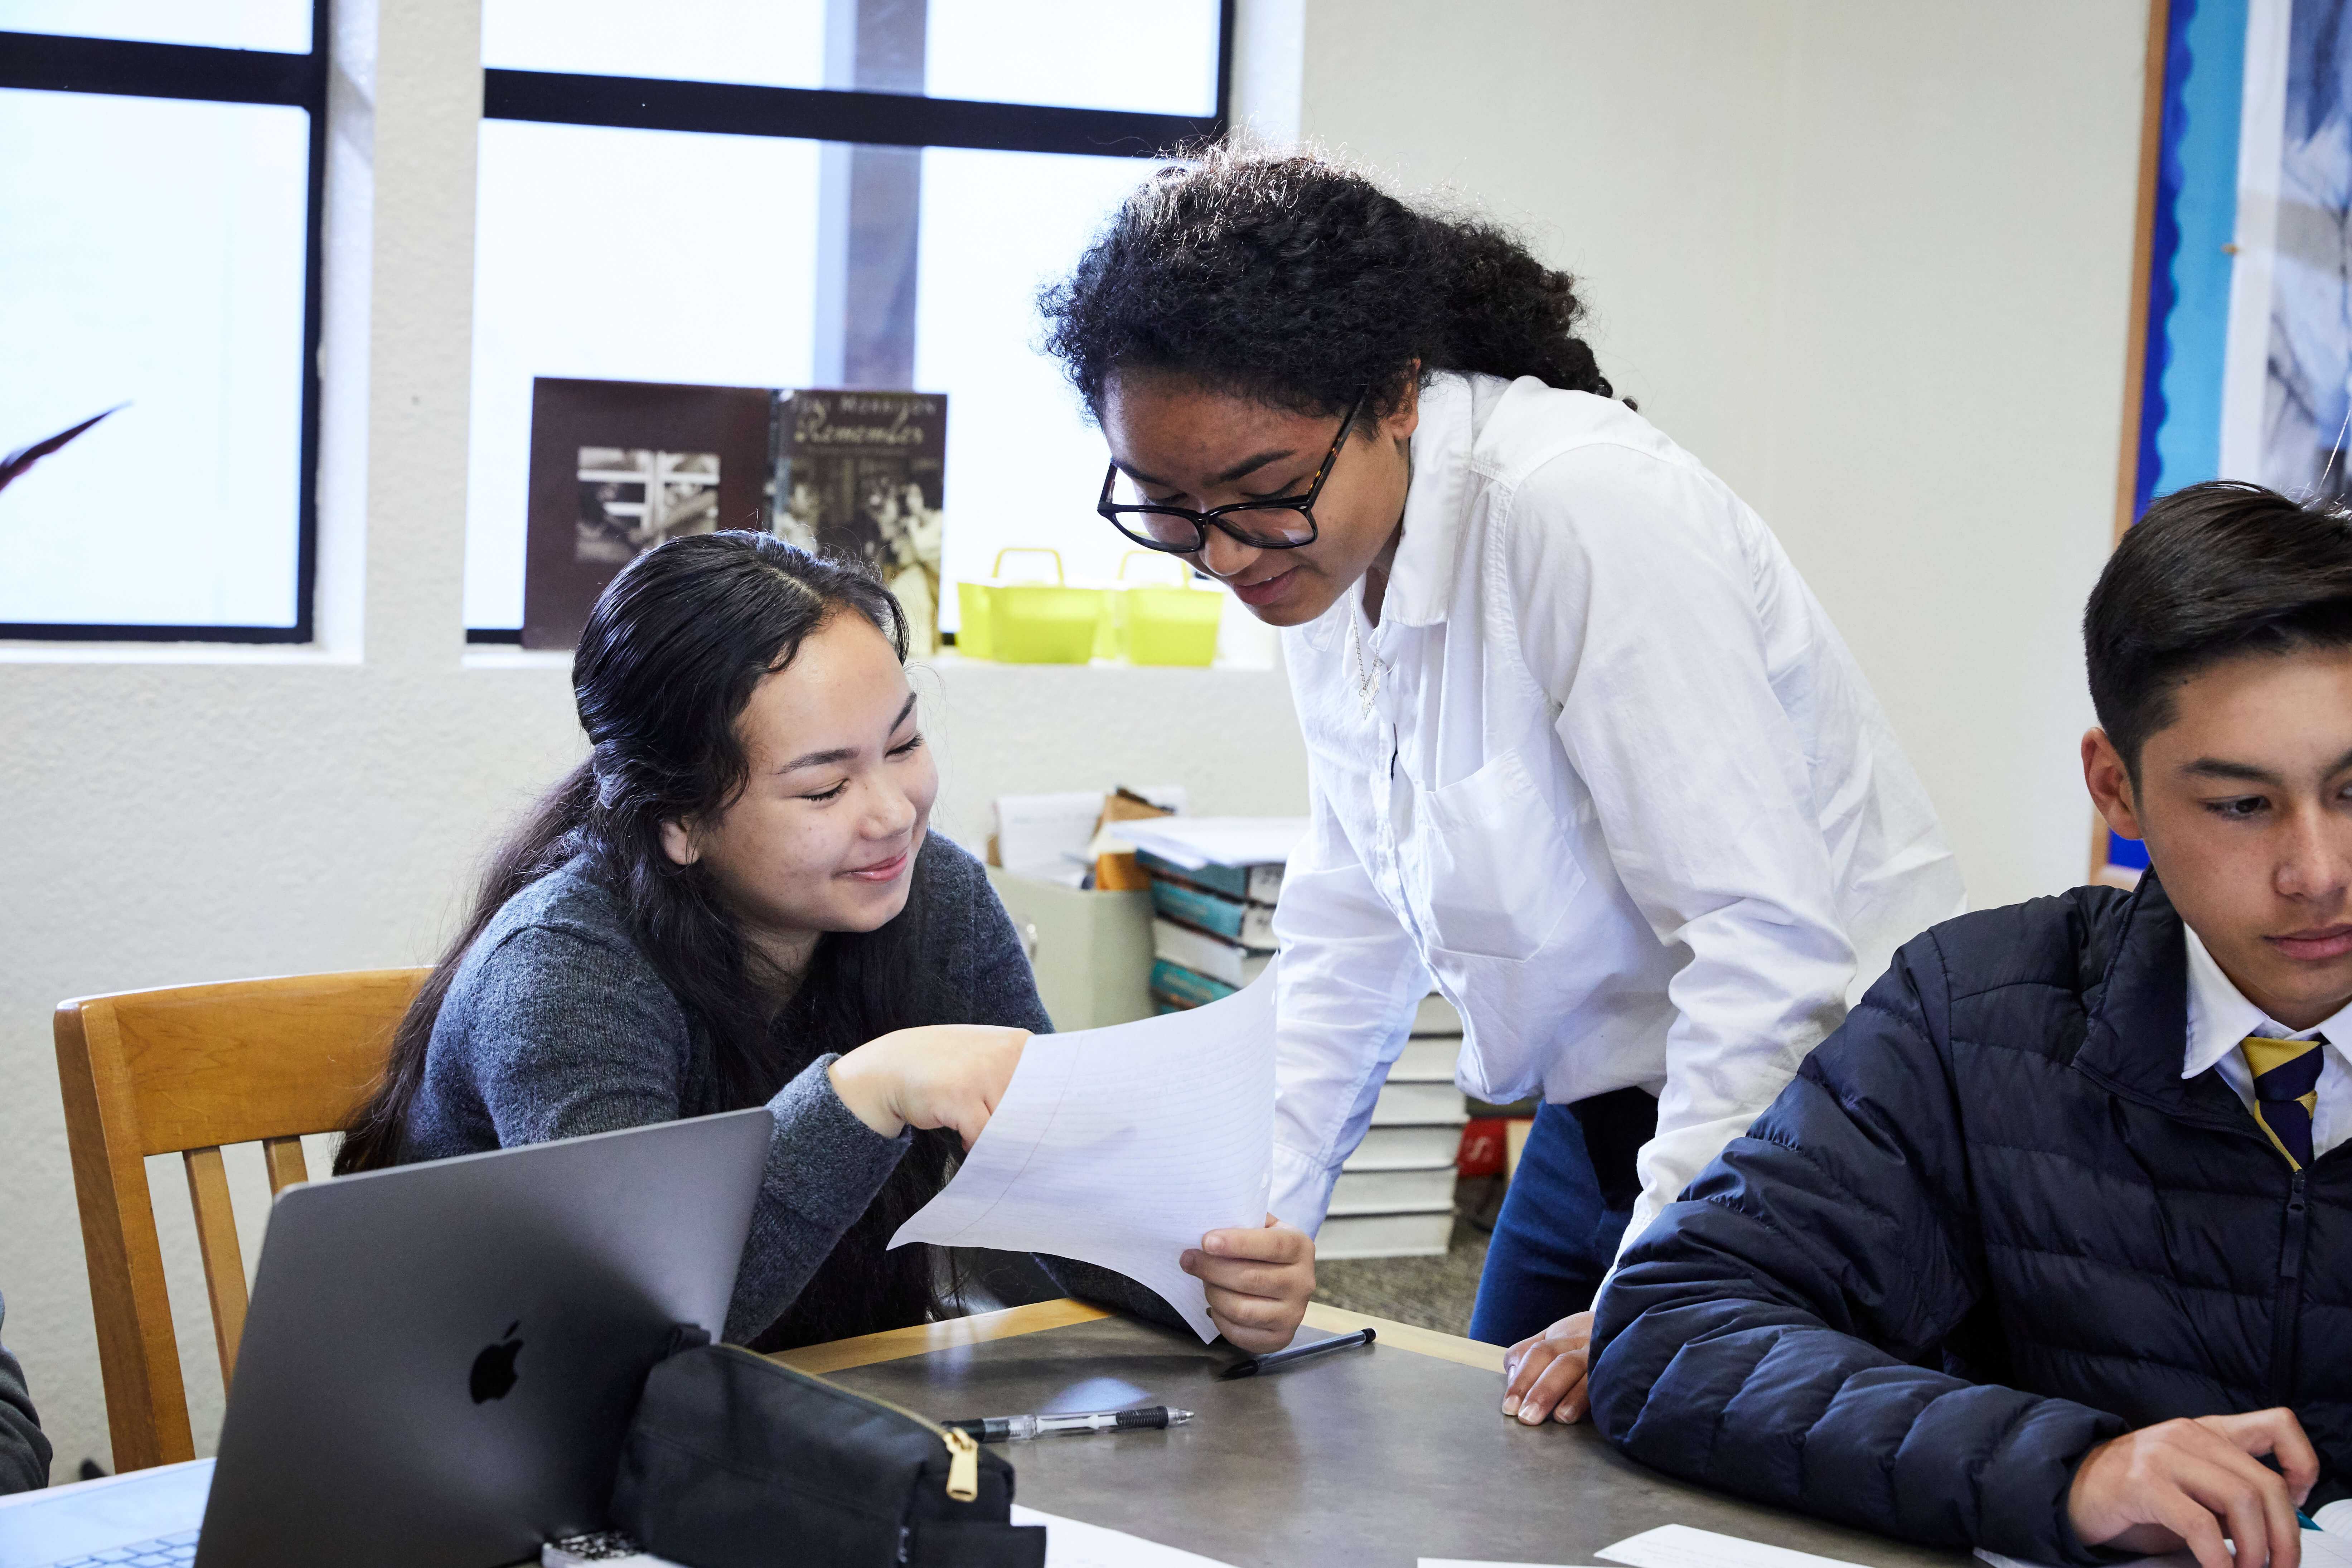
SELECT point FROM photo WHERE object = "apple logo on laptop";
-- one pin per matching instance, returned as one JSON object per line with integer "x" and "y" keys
{"x": 494, "y": 1369}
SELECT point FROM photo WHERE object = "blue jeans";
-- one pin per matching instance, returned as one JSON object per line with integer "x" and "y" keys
{"x": 1564, "y": 1214}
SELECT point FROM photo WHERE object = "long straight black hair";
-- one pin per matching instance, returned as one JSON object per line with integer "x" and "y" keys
{"x": 669, "y": 656}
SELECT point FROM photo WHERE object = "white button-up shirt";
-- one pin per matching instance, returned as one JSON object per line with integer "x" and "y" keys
{"x": 2220, "y": 1017}
{"x": 1606, "y": 773}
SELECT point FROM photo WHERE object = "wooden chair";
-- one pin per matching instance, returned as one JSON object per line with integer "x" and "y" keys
{"x": 185, "y": 1071}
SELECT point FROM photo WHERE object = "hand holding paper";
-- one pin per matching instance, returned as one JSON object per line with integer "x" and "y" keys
{"x": 1258, "y": 1281}
{"x": 1124, "y": 1146}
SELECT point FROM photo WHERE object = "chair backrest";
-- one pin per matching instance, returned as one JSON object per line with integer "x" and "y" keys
{"x": 187, "y": 1071}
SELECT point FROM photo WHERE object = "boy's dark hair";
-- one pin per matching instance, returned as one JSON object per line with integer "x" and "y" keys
{"x": 2210, "y": 573}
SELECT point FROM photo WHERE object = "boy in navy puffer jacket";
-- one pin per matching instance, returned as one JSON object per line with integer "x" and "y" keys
{"x": 2049, "y": 1249}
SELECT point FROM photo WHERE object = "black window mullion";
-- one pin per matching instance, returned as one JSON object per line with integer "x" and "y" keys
{"x": 314, "y": 308}
{"x": 52, "y": 62}
{"x": 875, "y": 119}
{"x": 46, "y": 62}
{"x": 1227, "y": 11}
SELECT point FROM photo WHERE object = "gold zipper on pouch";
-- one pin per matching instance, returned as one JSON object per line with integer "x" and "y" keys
{"x": 963, "y": 1449}
{"x": 963, "y": 1465}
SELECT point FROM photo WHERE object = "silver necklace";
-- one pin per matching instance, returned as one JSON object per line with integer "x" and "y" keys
{"x": 1368, "y": 680}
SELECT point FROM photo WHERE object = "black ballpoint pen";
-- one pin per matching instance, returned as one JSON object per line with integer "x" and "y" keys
{"x": 1020, "y": 1428}
{"x": 1253, "y": 1365}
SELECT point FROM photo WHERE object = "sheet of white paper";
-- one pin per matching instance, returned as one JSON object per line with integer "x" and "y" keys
{"x": 1197, "y": 841}
{"x": 2170, "y": 1560}
{"x": 1123, "y": 1146}
{"x": 1074, "y": 1543}
{"x": 1467, "y": 1562}
{"x": 1680, "y": 1546}
{"x": 2335, "y": 1519}
{"x": 2322, "y": 1548}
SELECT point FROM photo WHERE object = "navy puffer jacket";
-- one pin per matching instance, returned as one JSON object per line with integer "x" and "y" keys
{"x": 1987, "y": 1226}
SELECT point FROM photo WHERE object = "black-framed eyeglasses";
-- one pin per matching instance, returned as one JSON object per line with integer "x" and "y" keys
{"x": 1284, "y": 522}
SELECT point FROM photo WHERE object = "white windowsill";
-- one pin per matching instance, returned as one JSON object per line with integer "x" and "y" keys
{"x": 949, "y": 659}
{"x": 505, "y": 655}
{"x": 191, "y": 653}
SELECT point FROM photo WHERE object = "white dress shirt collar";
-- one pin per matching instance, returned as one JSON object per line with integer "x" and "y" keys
{"x": 1421, "y": 582}
{"x": 2219, "y": 1016}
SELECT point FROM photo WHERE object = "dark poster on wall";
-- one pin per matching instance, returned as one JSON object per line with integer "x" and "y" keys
{"x": 618, "y": 467}
{"x": 862, "y": 473}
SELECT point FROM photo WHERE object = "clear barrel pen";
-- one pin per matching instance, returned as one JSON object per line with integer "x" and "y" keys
{"x": 1021, "y": 1428}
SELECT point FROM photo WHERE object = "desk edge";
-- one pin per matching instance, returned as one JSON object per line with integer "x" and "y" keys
{"x": 1405, "y": 1337}
{"x": 922, "y": 1338}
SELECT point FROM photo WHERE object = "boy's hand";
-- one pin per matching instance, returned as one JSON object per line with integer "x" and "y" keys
{"x": 2189, "y": 1483}
{"x": 1258, "y": 1282}
{"x": 1544, "y": 1375}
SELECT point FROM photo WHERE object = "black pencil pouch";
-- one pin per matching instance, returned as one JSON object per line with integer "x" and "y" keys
{"x": 734, "y": 1462}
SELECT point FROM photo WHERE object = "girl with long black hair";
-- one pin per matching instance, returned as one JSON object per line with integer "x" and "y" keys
{"x": 734, "y": 901}
{"x": 1582, "y": 746}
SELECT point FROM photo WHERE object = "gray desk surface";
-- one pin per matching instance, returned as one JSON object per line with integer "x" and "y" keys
{"x": 1374, "y": 1457}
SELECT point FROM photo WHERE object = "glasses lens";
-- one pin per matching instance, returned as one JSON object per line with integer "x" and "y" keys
{"x": 1271, "y": 528}
{"x": 1158, "y": 530}
{"x": 1146, "y": 527}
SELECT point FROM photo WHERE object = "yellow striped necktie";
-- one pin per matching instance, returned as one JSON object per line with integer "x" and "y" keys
{"x": 2286, "y": 1091}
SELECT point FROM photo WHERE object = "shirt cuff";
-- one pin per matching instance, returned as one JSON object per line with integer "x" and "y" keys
{"x": 1301, "y": 1191}
{"x": 824, "y": 1163}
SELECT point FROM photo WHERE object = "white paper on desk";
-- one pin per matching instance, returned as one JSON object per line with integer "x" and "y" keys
{"x": 1680, "y": 1546}
{"x": 1123, "y": 1146}
{"x": 1074, "y": 1543}
{"x": 2170, "y": 1560}
{"x": 2321, "y": 1548}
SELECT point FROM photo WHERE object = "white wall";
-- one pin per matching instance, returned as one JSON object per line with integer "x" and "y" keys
{"x": 1870, "y": 261}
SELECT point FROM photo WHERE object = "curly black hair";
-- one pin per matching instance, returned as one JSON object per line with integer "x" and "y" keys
{"x": 1302, "y": 285}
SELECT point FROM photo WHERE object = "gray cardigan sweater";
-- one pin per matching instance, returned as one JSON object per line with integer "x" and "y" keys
{"x": 23, "y": 1452}
{"x": 556, "y": 1026}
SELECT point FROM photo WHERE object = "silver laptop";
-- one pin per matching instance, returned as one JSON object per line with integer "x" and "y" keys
{"x": 440, "y": 1360}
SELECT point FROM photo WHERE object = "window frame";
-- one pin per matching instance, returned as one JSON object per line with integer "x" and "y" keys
{"x": 842, "y": 115}
{"x": 129, "y": 67}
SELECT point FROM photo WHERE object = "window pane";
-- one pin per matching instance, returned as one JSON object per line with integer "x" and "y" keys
{"x": 1157, "y": 55}
{"x": 622, "y": 256}
{"x": 283, "y": 25}
{"x": 152, "y": 255}
{"x": 1023, "y": 465}
{"x": 766, "y": 43}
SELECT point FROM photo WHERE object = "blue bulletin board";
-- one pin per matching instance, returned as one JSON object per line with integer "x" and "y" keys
{"x": 2241, "y": 364}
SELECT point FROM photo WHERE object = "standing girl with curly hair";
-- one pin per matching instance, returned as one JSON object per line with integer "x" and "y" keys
{"x": 1582, "y": 747}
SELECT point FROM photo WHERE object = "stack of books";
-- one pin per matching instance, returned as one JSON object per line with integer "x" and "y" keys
{"x": 1212, "y": 929}
{"x": 1214, "y": 884}
{"x": 1394, "y": 1197}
